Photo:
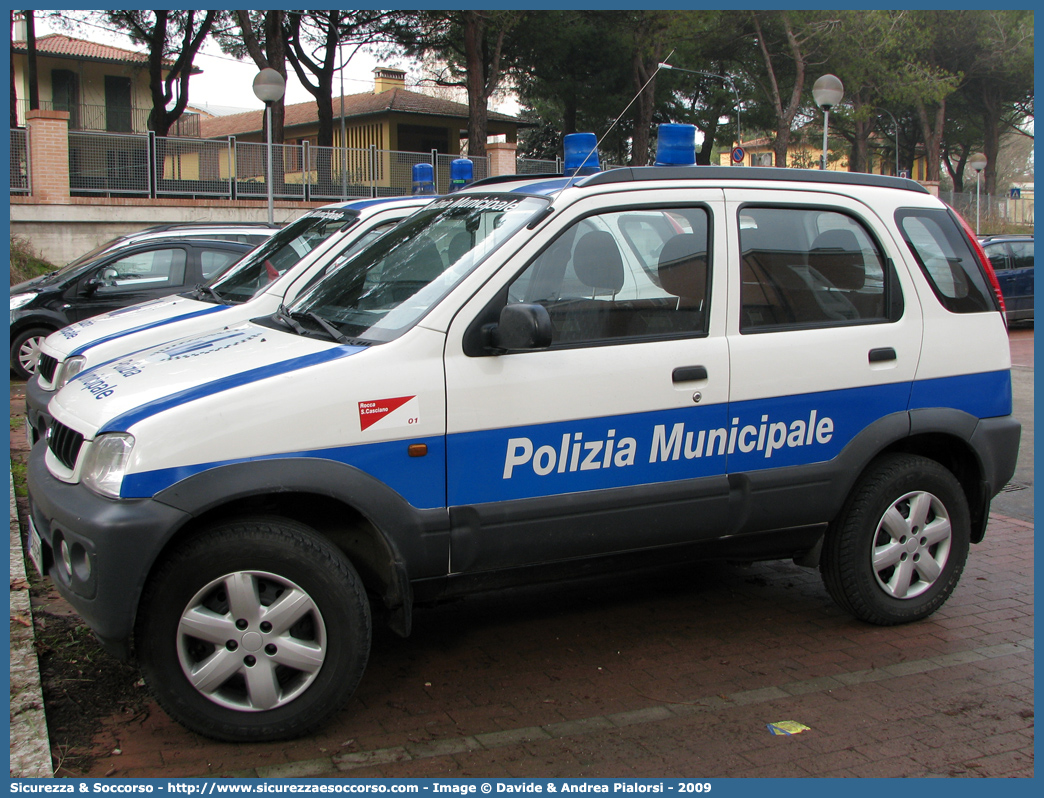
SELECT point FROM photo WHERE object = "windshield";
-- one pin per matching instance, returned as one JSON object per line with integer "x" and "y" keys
{"x": 386, "y": 288}
{"x": 254, "y": 273}
{"x": 88, "y": 256}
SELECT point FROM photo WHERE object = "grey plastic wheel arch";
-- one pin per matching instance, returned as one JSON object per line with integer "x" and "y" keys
{"x": 411, "y": 537}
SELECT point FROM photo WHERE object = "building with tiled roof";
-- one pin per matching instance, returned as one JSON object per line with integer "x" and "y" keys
{"x": 101, "y": 87}
{"x": 390, "y": 118}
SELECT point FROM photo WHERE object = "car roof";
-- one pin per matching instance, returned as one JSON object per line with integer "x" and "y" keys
{"x": 547, "y": 184}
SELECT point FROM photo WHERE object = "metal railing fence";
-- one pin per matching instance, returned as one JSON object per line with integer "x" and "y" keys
{"x": 109, "y": 163}
{"x": 195, "y": 167}
{"x": 995, "y": 213}
{"x": 536, "y": 166}
{"x": 19, "y": 166}
{"x": 129, "y": 164}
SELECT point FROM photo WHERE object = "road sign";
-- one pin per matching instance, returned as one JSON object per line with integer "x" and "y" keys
{"x": 904, "y": 173}
{"x": 738, "y": 154}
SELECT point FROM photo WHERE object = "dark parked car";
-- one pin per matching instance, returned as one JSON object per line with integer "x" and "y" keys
{"x": 133, "y": 271}
{"x": 1012, "y": 259}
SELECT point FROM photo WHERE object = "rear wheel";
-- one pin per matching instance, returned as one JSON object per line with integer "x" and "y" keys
{"x": 25, "y": 351}
{"x": 256, "y": 630}
{"x": 898, "y": 549}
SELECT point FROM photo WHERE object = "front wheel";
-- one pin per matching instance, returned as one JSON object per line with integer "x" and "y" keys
{"x": 897, "y": 550}
{"x": 25, "y": 351}
{"x": 256, "y": 630}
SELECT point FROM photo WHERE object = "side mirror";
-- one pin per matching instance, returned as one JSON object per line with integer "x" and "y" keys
{"x": 106, "y": 276}
{"x": 522, "y": 326}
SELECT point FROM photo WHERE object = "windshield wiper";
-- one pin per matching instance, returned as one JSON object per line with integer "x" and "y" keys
{"x": 334, "y": 333}
{"x": 284, "y": 316}
{"x": 203, "y": 291}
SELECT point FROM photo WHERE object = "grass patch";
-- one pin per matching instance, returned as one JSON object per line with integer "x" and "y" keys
{"x": 26, "y": 263}
{"x": 19, "y": 473}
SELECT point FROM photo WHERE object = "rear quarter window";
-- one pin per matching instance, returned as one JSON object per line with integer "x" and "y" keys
{"x": 946, "y": 260}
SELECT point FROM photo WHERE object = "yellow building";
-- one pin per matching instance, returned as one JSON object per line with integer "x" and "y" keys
{"x": 385, "y": 131}
{"x": 388, "y": 118}
{"x": 805, "y": 155}
{"x": 102, "y": 88}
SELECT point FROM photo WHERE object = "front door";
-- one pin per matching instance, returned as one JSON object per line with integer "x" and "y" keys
{"x": 132, "y": 278}
{"x": 612, "y": 438}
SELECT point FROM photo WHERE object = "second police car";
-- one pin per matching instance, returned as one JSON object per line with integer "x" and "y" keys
{"x": 527, "y": 375}
{"x": 268, "y": 276}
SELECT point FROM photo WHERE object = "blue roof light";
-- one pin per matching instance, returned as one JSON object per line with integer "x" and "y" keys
{"x": 462, "y": 172}
{"x": 423, "y": 179}
{"x": 581, "y": 154}
{"x": 676, "y": 145}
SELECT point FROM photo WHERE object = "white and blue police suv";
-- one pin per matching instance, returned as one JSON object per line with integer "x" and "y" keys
{"x": 256, "y": 286}
{"x": 531, "y": 377}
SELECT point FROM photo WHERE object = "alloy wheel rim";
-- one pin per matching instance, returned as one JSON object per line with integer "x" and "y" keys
{"x": 911, "y": 545}
{"x": 251, "y": 641}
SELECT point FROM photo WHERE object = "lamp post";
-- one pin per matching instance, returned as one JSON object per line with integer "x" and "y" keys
{"x": 978, "y": 163}
{"x": 827, "y": 92}
{"x": 269, "y": 86}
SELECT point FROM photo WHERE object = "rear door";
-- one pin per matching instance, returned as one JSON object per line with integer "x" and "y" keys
{"x": 822, "y": 344}
{"x": 612, "y": 438}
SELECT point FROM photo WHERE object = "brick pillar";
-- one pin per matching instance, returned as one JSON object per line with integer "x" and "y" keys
{"x": 501, "y": 157}
{"x": 49, "y": 154}
{"x": 931, "y": 185}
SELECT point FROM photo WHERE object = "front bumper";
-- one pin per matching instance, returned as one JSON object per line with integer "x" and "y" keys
{"x": 111, "y": 546}
{"x": 36, "y": 399}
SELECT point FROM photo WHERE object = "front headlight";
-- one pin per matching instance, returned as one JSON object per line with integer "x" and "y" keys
{"x": 18, "y": 300}
{"x": 106, "y": 463}
{"x": 70, "y": 368}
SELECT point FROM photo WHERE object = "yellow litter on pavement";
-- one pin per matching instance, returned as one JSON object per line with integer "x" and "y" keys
{"x": 787, "y": 727}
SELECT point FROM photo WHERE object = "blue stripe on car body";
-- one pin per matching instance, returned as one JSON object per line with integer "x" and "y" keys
{"x": 629, "y": 450}
{"x": 152, "y": 325}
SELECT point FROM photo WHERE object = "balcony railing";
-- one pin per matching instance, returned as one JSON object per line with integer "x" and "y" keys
{"x": 112, "y": 119}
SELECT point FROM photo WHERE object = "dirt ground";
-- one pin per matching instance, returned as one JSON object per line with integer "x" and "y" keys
{"x": 81, "y": 683}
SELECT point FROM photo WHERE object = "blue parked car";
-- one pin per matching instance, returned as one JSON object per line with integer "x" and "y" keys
{"x": 1012, "y": 259}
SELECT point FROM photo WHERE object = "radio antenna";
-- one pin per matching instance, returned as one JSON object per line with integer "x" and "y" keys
{"x": 598, "y": 143}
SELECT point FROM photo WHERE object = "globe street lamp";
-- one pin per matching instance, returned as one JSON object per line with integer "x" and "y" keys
{"x": 827, "y": 93}
{"x": 269, "y": 86}
{"x": 978, "y": 163}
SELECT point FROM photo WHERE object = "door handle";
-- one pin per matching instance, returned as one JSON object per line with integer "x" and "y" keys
{"x": 689, "y": 374}
{"x": 881, "y": 355}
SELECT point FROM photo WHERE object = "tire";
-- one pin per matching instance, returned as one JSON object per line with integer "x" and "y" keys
{"x": 232, "y": 675}
{"x": 873, "y": 566}
{"x": 25, "y": 349}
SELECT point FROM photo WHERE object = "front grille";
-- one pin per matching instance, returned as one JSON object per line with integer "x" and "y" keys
{"x": 46, "y": 368}
{"x": 64, "y": 444}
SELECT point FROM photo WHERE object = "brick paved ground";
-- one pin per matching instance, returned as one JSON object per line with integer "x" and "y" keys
{"x": 668, "y": 674}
